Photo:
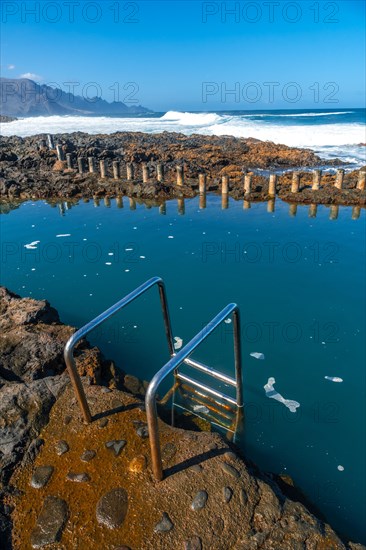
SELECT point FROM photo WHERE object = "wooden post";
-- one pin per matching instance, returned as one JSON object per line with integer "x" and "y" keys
{"x": 115, "y": 169}
{"x": 313, "y": 208}
{"x": 145, "y": 173}
{"x": 107, "y": 202}
{"x": 81, "y": 165}
{"x": 162, "y": 209}
{"x": 180, "y": 175}
{"x": 271, "y": 206}
{"x": 293, "y": 210}
{"x": 103, "y": 168}
{"x": 60, "y": 152}
{"x": 202, "y": 199}
{"x": 272, "y": 185}
{"x": 295, "y": 182}
{"x": 181, "y": 207}
{"x": 317, "y": 176}
{"x": 334, "y": 211}
{"x": 225, "y": 201}
{"x": 247, "y": 183}
{"x": 361, "y": 180}
{"x": 356, "y": 211}
{"x": 202, "y": 184}
{"x": 50, "y": 141}
{"x": 160, "y": 172}
{"x": 225, "y": 185}
{"x": 132, "y": 204}
{"x": 91, "y": 164}
{"x": 339, "y": 179}
{"x": 119, "y": 201}
{"x": 130, "y": 171}
{"x": 69, "y": 161}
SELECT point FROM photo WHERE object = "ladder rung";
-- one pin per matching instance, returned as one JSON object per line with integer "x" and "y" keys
{"x": 212, "y": 372}
{"x": 209, "y": 407}
{"x": 205, "y": 388}
{"x": 208, "y": 398}
{"x": 225, "y": 426}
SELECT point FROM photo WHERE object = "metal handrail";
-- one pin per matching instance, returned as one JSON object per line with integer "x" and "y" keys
{"x": 71, "y": 343}
{"x": 173, "y": 364}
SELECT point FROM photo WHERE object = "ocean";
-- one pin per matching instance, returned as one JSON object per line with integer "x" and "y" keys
{"x": 330, "y": 133}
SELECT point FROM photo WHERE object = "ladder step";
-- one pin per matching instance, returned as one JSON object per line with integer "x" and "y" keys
{"x": 212, "y": 372}
{"x": 225, "y": 406}
{"x": 196, "y": 384}
{"x": 228, "y": 428}
{"x": 209, "y": 407}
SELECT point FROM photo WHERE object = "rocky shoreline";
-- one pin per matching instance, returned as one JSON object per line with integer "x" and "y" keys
{"x": 30, "y": 170}
{"x": 53, "y": 484}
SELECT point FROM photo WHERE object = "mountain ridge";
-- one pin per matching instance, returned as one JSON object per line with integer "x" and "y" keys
{"x": 24, "y": 97}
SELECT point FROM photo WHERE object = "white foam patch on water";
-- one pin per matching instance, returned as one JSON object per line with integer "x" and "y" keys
{"x": 329, "y": 140}
{"x": 108, "y": 263}
{"x": 227, "y": 321}
{"x": 273, "y": 394}
{"x": 340, "y": 468}
{"x": 64, "y": 235}
{"x": 178, "y": 342}
{"x": 257, "y": 355}
{"x": 333, "y": 378}
{"x": 32, "y": 245}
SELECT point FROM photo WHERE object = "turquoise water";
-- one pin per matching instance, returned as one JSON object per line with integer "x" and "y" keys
{"x": 300, "y": 285}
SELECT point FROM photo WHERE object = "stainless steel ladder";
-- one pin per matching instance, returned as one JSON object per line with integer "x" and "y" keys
{"x": 216, "y": 401}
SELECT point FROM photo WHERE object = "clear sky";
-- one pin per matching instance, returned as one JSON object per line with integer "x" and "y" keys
{"x": 189, "y": 55}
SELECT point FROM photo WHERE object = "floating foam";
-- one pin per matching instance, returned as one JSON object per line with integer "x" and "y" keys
{"x": 64, "y": 235}
{"x": 32, "y": 245}
{"x": 227, "y": 321}
{"x": 201, "y": 409}
{"x": 108, "y": 263}
{"x": 340, "y": 468}
{"x": 273, "y": 394}
{"x": 178, "y": 342}
{"x": 333, "y": 378}
{"x": 257, "y": 355}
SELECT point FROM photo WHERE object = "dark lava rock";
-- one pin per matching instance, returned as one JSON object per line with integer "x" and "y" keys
{"x": 61, "y": 447}
{"x": 227, "y": 493}
{"x": 199, "y": 501}
{"x": 50, "y": 523}
{"x": 41, "y": 476}
{"x": 88, "y": 455}
{"x": 143, "y": 432}
{"x": 116, "y": 446}
{"x": 168, "y": 451}
{"x": 165, "y": 524}
{"x": 78, "y": 478}
{"x": 112, "y": 508}
{"x": 103, "y": 423}
{"x": 194, "y": 543}
{"x": 233, "y": 472}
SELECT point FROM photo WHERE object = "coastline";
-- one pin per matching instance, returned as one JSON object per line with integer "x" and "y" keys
{"x": 256, "y": 511}
{"x": 30, "y": 170}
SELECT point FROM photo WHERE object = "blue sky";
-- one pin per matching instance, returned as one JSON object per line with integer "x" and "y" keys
{"x": 190, "y": 55}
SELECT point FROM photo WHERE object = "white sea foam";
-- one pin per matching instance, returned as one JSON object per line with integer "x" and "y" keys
{"x": 64, "y": 235}
{"x": 333, "y": 378}
{"x": 32, "y": 245}
{"x": 257, "y": 355}
{"x": 329, "y": 140}
{"x": 273, "y": 394}
{"x": 178, "y": 342}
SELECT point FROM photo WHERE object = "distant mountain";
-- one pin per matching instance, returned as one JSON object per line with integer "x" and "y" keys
{"x": 23, "y": 97}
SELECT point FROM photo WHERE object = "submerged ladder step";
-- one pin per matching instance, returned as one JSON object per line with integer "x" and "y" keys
{"x": 210, "y": 408}
{"x": 209, "y": 370}
{"x": 194, "y": 391}
{"x": 202, "y": 387}
{"x": 217, "y": 423}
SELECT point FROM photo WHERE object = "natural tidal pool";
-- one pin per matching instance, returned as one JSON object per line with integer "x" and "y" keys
{"x": 298, "y": 276}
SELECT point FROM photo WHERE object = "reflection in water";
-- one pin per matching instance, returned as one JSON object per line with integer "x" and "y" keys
{"x": 313, "y": 210}
{"x": 107, "y": 202}
{"x": 246, "y": 205}
{"x": 181, "y": 207}
{"x": 225, "y": 201}
{"x": 132, "y": 204}
{"x": 162, "y": 209}
{"x": 96, "y": 201}
{"x": 334, "y": 211}
{"x": 271, "y": 206}
{"x": 202, "y": 203}
{"x": 119, "y": 202}
{"x": 293, "y": 210}
{"x": 356, "y": 212}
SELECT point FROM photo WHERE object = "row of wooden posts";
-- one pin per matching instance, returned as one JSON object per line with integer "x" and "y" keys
{"x": 202, "y": 179}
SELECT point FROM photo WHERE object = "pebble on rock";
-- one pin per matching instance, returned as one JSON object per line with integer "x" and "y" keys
{"x": 78, "y": 478}
{"x": 61, "y": 447}
{"x": 227, "y": 494}
{"x": 41, "y": 476}
{"x": 88, "y": 455}
{"x": 103, "y": 422}
{"x": 194, "y": 543}
{"x": 199, "y": 501}
{"x": 50, "y": 523}
{"x": 112, "y": 508}
{"x": 165, "y": 524}
{"x": 233, "y": 472}
{"x": 116, "y": 446}
{"x": 138, "y": 464}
